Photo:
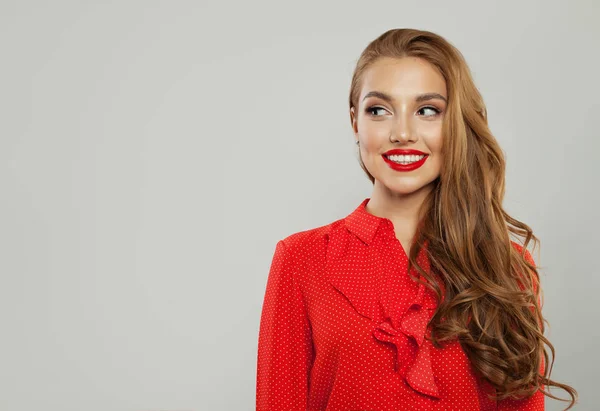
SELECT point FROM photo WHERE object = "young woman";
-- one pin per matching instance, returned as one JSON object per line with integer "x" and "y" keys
{"x": 418, "y": 299}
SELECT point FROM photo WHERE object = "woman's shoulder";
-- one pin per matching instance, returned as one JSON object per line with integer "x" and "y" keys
{"x": 312, "y": 242}
{"x": 312, "y": 237}
{"x": 520, "y": 248}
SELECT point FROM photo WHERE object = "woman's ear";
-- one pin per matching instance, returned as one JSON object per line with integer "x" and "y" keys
{"x": 353, "y": 121}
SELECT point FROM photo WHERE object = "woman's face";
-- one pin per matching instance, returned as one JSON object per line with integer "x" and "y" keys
{"x": 401, "y": 106}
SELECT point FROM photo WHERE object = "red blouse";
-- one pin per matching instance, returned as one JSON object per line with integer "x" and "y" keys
{"x": 343, "y": 326}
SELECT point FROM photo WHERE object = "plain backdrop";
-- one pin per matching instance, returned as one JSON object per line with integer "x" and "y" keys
{"x": 152, "y": 154}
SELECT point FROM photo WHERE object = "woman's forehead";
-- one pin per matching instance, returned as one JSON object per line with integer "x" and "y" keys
{"x": 403, "y": 77}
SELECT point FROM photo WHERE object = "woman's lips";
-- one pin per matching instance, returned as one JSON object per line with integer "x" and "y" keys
{"x": 404, "y": 167}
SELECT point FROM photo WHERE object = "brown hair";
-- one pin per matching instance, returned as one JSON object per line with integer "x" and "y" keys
{"x": 493, "y": 310}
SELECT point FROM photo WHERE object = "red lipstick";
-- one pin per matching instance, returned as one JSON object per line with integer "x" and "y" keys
{"x": 404, "y": 167}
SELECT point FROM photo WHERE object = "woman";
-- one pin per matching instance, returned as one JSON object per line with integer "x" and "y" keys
{"x": 418, "y": 299}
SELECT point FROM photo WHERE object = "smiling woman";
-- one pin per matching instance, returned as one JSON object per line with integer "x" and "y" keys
{"x": 418, "y": 299}
{"x": 402, "y": 102}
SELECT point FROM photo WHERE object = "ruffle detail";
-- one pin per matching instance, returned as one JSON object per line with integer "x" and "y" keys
{"x": 413, "y": 353}
{"x": 399, "y": 308}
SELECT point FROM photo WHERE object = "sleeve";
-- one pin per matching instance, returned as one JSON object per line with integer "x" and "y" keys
{"x": 537, "y": 401}
{"x": 285, "y": 349}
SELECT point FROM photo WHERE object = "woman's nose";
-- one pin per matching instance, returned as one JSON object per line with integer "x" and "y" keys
{"x": 403, "y": 129}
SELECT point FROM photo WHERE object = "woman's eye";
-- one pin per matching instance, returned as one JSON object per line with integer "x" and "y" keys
{"x": 434, "y": 111}
{"x": 374, "y": 108}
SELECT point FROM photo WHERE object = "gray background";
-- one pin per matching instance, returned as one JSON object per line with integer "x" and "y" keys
{"x": 153, "y": 153}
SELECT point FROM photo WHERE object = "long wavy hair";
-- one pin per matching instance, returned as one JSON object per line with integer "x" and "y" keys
{"x": 487, "y": 304}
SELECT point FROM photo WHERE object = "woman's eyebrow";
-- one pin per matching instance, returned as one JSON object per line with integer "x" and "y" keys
{"x": 420, "y": 98}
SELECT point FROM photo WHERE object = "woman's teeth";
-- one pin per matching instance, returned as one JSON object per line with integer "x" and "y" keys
{"x": 405, "y": 159}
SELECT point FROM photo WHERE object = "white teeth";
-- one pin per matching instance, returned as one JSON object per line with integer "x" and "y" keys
{"x": 405, "y": 159}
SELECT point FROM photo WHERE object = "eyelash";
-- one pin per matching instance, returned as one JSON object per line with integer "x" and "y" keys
{"x": 369, "y": 109}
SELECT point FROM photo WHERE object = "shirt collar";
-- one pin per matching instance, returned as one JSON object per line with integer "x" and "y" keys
{"x": 364, "y": 224}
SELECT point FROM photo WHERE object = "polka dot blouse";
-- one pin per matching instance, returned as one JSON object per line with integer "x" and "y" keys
{"x": 343, "y": 327}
